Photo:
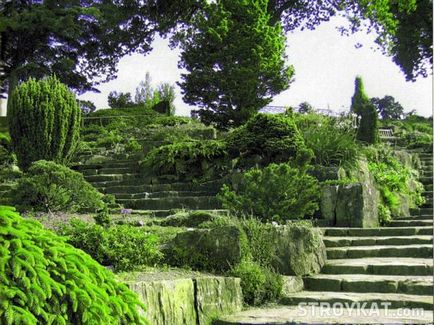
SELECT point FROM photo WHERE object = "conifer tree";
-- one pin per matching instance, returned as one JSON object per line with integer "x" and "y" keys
{"x": 361, "y": 105}
{"x": 44, "y": 122}
{"x": 44, "y": 280}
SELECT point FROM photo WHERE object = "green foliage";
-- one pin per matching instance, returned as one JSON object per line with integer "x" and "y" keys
{"x": 266, "y": 139}
{"x": 123, "y": 247}
{"x": 102, "y": 218}
{"x": 86, "y": 106}
{"x": 159, "y": 99}
{"x": 259, "y": 284}
{"x": 7, "y": 157}
{"x": 332, "y": 142}
{"x": 190, "y": 219}
{"x": 120, "y": 100}
{"x": 47, "y": 281}
{"x": 235, "y": 61}
{"x": 44, "y": 121}
{"x": 388, "y": 108}
{"x": 361, "y": 105}
{"x": 278, "y": 192}
{"x": 392, "y": 179}
{"x": 48, "y": 186}
{"x": 188, "y": 160}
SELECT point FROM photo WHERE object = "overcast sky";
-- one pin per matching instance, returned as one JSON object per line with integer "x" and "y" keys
{"x": 326, "y": 65}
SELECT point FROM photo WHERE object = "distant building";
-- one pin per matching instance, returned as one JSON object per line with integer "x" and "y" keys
{"x": 3, "y": 105}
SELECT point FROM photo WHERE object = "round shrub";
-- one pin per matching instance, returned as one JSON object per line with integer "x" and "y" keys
{"x": 266, "y": 139}
{"x": 48, "y": 186}
{"x": 44, "y": 121}
{"x": 44, "y": 280}
{"x": 278, "y": 192}
{"x": 259, "y": 284}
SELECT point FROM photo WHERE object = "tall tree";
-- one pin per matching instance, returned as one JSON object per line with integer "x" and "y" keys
{"x": 79, "y": 41}
{"x": 235, "y": 61}
{"x": 388, "y": 108}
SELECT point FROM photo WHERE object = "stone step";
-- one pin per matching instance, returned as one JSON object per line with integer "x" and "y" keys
{"x": 417, "y": 217}
{"x": 428, "y": 194}
{"x": 114, "y": 177}
{"x": 109, "y": 171}
{"x": 280, "y": 315}
{"x": 165, "y": 194}
{"x": 414, "y": 250}
{"x": 394, "y": 300}
{"x": 410, "y": 222}
{"x": 428, "y": 187}
{"x": 380, "y": 266}
{"x": 426, "y": 180}
{"x": 382, "y": 231}
{"x": 164, "y": 213}
{"x": 108, "y": 164}
{"x": 194, "y": 203}
{"x": 415, "y": 285}
{"x": 211, "y": 187}
{"x": 368, "y": 241}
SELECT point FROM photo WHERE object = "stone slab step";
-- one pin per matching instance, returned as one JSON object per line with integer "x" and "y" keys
{"x": 417, "y": 217}
{"x": 410, "y": 222}
{"x": 109, "y": 171}
{"x": 165, "y": 194}
{"x": 395, "y": 300}
{"x": 416, "y": 250}
{"x": 194, "y": 203}
{"x": 280, "y": 315}
{"x": 428, "y": 194}
{"x": 108, "y": 164}
{"x": 426, "y": 180}
{"x": 380, "y": 266}
{"x": 415, "y": 285}
{"x": 368, "y": 241}
{"x": 114, "y": 177}
{"x": 164, "y": 213}
{"x": 211, "y": 187}
{"x": 428, "y": 187}
{"x": 382, "y": 231}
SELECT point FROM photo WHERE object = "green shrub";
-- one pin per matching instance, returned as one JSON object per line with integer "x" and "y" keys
{"x": 44, "y": 122}
{"x": 332, "y": 143}
{"x": 48, "y": 186}
{"x": 392, "y": 179}
{"x": 259, "y": 284}
{"x": 278, "y": 192}
{"x": 44, "y": 280}
{"x": 189, "y": 219}
{"x": 188, "y": 160}
{"x": 123, "y": 247}
{"x": 266, "y": 139}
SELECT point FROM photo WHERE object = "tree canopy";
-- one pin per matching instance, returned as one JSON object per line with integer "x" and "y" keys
{"x": 235, "y": 61}
{"x": 388, "y": 108}
{"x": 79, "y": 41}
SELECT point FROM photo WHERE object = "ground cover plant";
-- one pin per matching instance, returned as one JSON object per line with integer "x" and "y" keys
{"x": 44, "y": 280}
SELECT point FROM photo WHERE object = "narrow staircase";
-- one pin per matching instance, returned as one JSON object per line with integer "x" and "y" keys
{"x": 388, "y": 268}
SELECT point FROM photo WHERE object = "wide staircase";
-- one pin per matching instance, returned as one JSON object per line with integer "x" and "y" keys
{"x": 388, "y": 268}
{"x": 121, "y": 176}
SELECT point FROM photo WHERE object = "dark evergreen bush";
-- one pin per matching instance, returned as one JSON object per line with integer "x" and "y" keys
{"x": 266, "y": 139}
{"x": 44, "y": 121}
{"x": 48, "y": 186}
{"x": 278, "y": 192}
{"x": 44, "y": 280}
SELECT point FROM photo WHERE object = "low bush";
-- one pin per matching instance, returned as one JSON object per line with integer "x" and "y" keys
{"x": 259, "y": 284}
{"x": 332, "y": 142}
{"x": 188, "y": 160}
{"x": 44, "y": 280}
{"x": 48, "y": 186}
{"x": 278, "y": 192}
{"x": 266, "y": 139}
{"x": 123, "y": 247}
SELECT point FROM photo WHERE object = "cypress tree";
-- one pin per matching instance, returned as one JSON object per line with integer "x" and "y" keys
{"x": 361, "y": 105}
{"x": 44, "y": 121}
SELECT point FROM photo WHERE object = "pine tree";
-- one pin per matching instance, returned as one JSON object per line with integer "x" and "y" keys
{"x": 44, "y": 121}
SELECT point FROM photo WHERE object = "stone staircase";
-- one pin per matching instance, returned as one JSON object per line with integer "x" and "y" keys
{"x": 120, "y": 176}
{"x": 387, "y": 268}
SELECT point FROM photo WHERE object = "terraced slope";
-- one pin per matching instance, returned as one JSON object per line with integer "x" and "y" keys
{"x": 387, "y": 268}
